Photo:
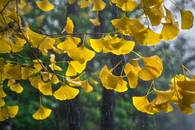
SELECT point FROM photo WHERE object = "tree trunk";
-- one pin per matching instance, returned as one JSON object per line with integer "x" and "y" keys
{"x": 142, "y": 122}
{"x": 108, "y": 97}
{"x": 71, "y": 108}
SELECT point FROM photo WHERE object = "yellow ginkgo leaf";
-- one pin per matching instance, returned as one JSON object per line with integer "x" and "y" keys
{"x": 66, "y": 92}
{"x": 2, "y": 92}
{"x": 95, "y": 21}
{"x": 150, "y": 3}
{"x": 169, "y": 31}
{"x": 46, "y": 76}
{"x": 186, "y": 91}
{"x": 12, "y": 110}
{"x": 152, "y": 69}
{"x": 84, "y": 3}
{"x": 187, "y": 19}
{"x": 27, "y": 72}
{"x": 126, "y": 5}
{"x": 174, "y": 85}
{"x": 75, "y": 67}
{"x": 40, "y": 41}
{"x": 2, "y": 102}
{"x": 169, "y": 18}
{"x": 55, "y": 79}
{"x": 37, "y": 65}
{"x": 45, "y": 88}
{"x": 12, "y": 71}
{"x": 18, "y": 45}
{"x": 68, "y": 44}
{"x": 142, "y": 104}
{"x": 15, "y": 87}
{"x": 46, "y": 44}
{"x": 71, "y": 71}
{"x": 7, "y": 112}
{"x": 162, "y": 96}
{"x": 147, "y": 37}
{"x": 42, "y": 113}
{"x": 75, "y": 82}
{"x": 188, "y": 97}
{"x": 85, "y": 54}
{"x": 5, "y": 44}
{"x": 162, "y": 101}
{"x": 69, "y": 28}
{"x": 184, "y": 95}
{"x": 86, "y": 86}
{"x": 81, "y": 53}
{"x": 98, "y": 5}
{"x": 131, "y": 71}
{"x": 115, "y": 45}
{"x": 187, "y": 85}
{"x": 45, "y": 5}
{"x": 128, "y": 26}
{"x": 112, "y": 82}
{"x": 53, "y": 65}
{"x": 35, "y": 80}
{"x": 155, "y": 14}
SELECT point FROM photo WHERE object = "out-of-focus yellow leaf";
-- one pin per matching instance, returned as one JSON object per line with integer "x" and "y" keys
{"x": 71, "y": 2}
{"x": 86, "y": 86}
{"x": 2, "y": 92}
{"x": 84, "y": 3}
{"x": 95, "y": 21}
{"x": 187, "y": 19}
{"x": 2, "y": 102}
{"x": 126, "y": 5}
{"x": 18, "y": 45}
{"x": 7, "y": 112}
{"x": 15, "y": 87}
{"x": 69, "y": 28}
{"x": 169, "y": 31}
{"x": 98, "y": 5}
{"x": 5, "y": 44}
{"x": 27, "y": 72}
{"x": 12, "y": 71}
{"x": 45, "y": 5}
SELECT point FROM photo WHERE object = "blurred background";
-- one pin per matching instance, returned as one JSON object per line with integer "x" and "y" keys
{"x": 89, "y": 107}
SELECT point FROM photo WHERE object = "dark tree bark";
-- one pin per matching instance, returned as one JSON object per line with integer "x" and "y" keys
{"x": 142, "y": 122}
{"x": 107, "y": 115}
{"x": 71, "y": 108}
{"x": 73, "y": 114}
{"x": 108, "y": 97}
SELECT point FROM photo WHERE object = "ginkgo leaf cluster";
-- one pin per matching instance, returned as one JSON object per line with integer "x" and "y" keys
{"x": 62, "y": 79}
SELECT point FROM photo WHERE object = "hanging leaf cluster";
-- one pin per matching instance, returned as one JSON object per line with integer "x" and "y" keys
{"x": 62, "y": 80}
